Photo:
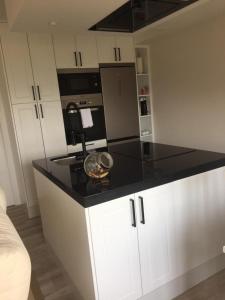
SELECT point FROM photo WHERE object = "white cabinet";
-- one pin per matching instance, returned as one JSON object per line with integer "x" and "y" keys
{"x": 115, "y": 247}
{"x": 52, "y": 128}
{"x": 87, "y": 51}
{"x": 115, "y": 49}
{"x": 106, "y": 49}
{"x": 75, "y": 52}
{"x": 64, "y": 48}
{"x": 44, "y": 68}
{"x": 40, "y": 132}
{"x": 154, "y": 236}
{"x": 198, "y": 209}
{"x": 30, "y": 67}
{"x": 125, "y": 47}
{"x": 18, "y": 67}
{"x": 28, "y": 129}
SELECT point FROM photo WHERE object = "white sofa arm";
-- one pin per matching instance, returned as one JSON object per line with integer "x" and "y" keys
{"x": 15, "y": 266}
{"x": 2, "y": 200}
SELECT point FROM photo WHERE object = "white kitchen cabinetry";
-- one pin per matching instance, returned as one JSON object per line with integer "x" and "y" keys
{"x": 115, "y": 49}
{"x": 44, "y": 68}
{"x": 64, "y": 48}
{"x": 30, "y": 67}
{"x": 75, "y": 52}
{"x": 125, "y": 44}
{"x": 106, "y": 49}
{"x": 33, "y": 87}
{"x": 31, "y": 147}
{"x": 18, "y": 67}
{"x": 40, "y": 133}
{"x": 198, "y": 209}
{"x": 135, "y": 252}
{"x": 154, "y": 236}
{"x": 115, "y": 246}
{"x": 52, "y": 128}
{"x": 87, "y": 51}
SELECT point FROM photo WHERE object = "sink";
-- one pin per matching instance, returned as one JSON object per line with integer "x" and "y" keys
{"x": 68, "y": 160}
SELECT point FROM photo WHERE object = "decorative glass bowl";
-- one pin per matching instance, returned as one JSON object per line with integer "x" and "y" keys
{"x": 98, "y": 164}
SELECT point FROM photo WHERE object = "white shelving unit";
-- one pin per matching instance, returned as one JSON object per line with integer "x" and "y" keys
{"x": 144, "y": 96}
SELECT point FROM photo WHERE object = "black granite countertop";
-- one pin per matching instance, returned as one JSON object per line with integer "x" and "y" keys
{"x": 137, "y": 166}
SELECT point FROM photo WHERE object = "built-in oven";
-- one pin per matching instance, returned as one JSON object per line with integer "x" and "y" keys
{"x": 74, "y": 82}
{"x": 95, "y": 136}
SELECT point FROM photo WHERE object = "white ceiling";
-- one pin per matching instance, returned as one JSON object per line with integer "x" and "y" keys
{"x": 70, "y": 15}
{"x": 2, "y": 11}
{"x": 199, "y": 12}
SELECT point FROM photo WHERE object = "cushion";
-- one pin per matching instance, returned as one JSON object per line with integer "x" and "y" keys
{"x": 2, "y": 200}
{"x": 15, "y": 266}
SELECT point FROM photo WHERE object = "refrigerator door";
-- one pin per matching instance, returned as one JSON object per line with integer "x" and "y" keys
{"x": 120, "y": 102}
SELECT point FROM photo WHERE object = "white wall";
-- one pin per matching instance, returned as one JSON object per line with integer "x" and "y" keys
{"x": 188, "y": 79}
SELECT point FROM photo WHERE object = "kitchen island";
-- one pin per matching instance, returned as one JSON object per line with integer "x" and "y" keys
{"x": 151, "y": 229}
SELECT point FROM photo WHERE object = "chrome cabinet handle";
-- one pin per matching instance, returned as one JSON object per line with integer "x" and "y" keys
{"x": 39, "y": 94}
{"x": 119, "y": 54}
{"x": 33, "y": 92}
{"x": 36, "y": 111}
{"x": 133, "y": 213}
{"x": 42, "y": 114}
{"x": 142, "y": 209}
{"x": 81, "y": 63}
{"x": 75, "y": 56}
{"x": 115, "y": 54}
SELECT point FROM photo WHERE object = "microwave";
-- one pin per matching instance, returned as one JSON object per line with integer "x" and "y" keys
{"x": 74, "y": 82}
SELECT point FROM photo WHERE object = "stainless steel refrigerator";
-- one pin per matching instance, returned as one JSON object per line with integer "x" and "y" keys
{"x": 120, "y": 102}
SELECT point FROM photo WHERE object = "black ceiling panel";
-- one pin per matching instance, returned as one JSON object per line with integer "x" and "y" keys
{"x": 136, "y": 14}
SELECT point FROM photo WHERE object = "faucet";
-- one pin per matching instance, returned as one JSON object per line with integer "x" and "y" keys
{"x": 80, "y": 132}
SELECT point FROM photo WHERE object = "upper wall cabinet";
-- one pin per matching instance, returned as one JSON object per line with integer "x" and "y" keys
{"x": 18, "y": 67}
{"x": 30, "y": 67}
{"x": 115, "y": 49}
{"x": 44, "y": 68}
{"x": 75, "y": 52}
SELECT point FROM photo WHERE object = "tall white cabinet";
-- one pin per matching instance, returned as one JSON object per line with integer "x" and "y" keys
{"x": 36, "y": 107}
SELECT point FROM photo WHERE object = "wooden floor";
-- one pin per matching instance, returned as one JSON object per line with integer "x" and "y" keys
{"x": 49, "y": 281}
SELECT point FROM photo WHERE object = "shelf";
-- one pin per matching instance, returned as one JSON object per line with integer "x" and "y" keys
{"x": 147, "y": 95}
{"x": 148, "y": 115}
{"x": 146, "y": 135}
{"x": 142, "y": 74}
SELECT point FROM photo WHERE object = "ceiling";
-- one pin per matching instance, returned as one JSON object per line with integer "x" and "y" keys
{"x": 69, "y": 15}
{"x": 199, "y": 12}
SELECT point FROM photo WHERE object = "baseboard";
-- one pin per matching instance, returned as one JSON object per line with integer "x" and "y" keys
{"x": 181, "y": 284}
{"x": 33, "y": 211}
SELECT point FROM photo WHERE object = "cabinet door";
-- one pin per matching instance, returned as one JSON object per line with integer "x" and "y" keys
{"x": 53, "y": 128}
{"x": 64, "y": 47}
{"x": 154, "y": 236}
{"x": 28, "y": 130}
{"x": 18, "y": 67}
{"x": 106, "y": 46}
{"x": 126, "y": 48}
{"x": 198, "y": 220}
{"x": 115, "y": 247}
{"x": 44, "y": 68}
{"x": 87, "y": 51}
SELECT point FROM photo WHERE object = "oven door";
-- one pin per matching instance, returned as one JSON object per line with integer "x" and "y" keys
{"x": 97, "y": 132}
{"x": 71, "y": 84}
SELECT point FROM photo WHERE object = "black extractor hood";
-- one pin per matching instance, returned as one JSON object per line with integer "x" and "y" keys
{"x": 136, "y": 14}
